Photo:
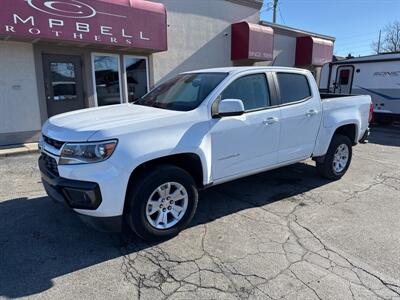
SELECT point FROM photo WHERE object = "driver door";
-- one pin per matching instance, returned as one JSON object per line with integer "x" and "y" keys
{"x": 246, "y": 143}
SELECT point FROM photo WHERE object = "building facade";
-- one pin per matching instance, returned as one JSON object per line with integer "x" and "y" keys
{"x": 59, "y": 56}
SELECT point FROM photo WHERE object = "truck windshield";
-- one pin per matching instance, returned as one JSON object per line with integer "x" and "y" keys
{"x": 182, "y": 93}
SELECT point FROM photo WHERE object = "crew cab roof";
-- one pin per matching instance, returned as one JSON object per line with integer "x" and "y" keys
{"x": 234, "y": 70}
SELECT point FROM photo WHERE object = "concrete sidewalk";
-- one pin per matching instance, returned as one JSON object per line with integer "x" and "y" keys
{"x": 18, "y": 149}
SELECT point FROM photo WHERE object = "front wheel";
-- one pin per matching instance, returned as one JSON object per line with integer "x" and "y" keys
{"x": 161, "y": 202}
{"x": 337, "y": 159}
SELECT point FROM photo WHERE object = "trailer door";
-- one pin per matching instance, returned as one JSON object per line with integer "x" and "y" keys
{"x": 344, "y": 79}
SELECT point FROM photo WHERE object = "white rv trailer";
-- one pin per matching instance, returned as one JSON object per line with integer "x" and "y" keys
{"x": 375, "y": 75}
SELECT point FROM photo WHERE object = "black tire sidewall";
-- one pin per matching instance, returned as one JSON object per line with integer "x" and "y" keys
{"x": 136, "y": 215}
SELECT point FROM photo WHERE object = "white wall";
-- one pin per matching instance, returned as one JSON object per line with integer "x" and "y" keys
{"x": 284, "y": 50}
{"x": 19, "y": 104}
{"x": 199, "y": 35}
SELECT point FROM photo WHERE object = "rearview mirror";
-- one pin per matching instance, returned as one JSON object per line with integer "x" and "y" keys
{"x": 230, "y": 107}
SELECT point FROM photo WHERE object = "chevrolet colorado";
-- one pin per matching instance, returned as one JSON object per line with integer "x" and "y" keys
{"x": 142, "y": 164}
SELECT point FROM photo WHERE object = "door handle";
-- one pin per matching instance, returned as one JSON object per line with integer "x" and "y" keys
{"x": 270, "y": 120}
{"x": 311, "y": 112}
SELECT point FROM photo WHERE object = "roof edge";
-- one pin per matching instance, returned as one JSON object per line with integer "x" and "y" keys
{"x": 250, "y": 3}
{"x": 391, "y": 56}
{"x": 297, "y": 31}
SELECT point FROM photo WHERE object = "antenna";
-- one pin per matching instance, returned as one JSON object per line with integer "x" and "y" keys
{"x": 379, "y": 41}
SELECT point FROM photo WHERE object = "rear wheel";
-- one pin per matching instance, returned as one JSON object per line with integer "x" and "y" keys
{"x": 161, "y": 202}
{"x": 337, "y": 159}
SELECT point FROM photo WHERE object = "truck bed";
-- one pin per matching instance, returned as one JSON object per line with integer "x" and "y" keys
{"x": 348, "y": 107}
{"x": 325, "y": 95}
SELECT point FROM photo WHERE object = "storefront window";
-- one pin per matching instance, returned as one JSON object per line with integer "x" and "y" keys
{"x": 136, "y": 77}
{"x": 107, "y": 79}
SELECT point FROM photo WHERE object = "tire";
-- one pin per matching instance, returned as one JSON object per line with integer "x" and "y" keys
{"x": 139, "y": 204}
{"x": 327, "y": 168}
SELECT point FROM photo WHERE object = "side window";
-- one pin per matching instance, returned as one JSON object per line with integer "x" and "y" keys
{"x": 293, "y": 87}
{"x": 251, "y": 89}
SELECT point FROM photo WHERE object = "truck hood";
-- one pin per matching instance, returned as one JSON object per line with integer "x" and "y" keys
{"x": 80, "y": 125}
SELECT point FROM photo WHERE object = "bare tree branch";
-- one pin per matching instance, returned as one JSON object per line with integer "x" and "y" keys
{"x": 390, "y": 41}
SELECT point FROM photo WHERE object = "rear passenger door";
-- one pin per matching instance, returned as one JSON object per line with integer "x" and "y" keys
{"x": 300, "y": 116}
{"x": 241, "y": 144}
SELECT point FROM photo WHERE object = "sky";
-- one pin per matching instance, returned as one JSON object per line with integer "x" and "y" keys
{"x": 354, "y": 23}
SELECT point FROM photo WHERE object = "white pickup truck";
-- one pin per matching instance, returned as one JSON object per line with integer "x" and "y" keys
{"x": 142, "y": 164}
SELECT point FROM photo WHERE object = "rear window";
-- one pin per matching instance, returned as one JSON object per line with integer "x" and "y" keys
{"x": 293, "y": 87}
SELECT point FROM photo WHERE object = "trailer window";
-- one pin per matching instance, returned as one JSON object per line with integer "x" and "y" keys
{"x": 293, "y": 87}
{"x": 344, "y": 77}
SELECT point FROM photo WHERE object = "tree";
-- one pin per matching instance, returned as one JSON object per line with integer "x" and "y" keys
{"x": 390, "y": 40}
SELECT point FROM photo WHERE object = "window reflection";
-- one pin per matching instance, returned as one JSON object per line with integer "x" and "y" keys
{"x": 63, "y": 81}
{"x": 136, "y": 73}
{"x": 107, "y": 80}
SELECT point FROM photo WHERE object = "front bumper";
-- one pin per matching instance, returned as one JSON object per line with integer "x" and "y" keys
{"x": 77, "y": 195}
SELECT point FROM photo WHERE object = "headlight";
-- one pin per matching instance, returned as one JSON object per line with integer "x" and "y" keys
{"x": 85, "y": 153}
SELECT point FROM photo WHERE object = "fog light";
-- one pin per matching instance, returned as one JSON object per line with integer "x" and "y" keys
{"x": 82, "y": 199}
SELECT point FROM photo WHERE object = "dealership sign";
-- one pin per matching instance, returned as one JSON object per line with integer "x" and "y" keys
{"x": 138, "y": 24}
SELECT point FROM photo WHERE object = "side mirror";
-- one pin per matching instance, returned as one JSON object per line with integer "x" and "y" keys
{"x": 229, "y": 107}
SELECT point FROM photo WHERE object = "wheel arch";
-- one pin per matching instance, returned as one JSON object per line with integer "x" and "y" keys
{"x": 350, "y": 130}
{"x": 190, "y": 162}
{"x": 325, "y": 138}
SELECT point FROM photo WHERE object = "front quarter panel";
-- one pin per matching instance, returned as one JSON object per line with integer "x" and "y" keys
{"x": 136, "y": 147}
{"x": 152, "y": 144}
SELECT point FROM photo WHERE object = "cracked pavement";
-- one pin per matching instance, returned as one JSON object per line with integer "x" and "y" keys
{"x": 284, "y": 234}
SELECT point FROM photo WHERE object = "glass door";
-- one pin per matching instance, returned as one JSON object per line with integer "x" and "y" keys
{"x": 107, "y": 79}
{"x": 63, "y": 83}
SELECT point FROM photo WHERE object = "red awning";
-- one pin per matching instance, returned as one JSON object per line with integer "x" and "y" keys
{"x": 313, "y": 51}
{"x": 252, "y": 41}
{"x": 121, "y": 23}
{"x": 140, "y": 4}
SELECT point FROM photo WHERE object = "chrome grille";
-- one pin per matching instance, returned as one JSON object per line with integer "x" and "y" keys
{"x": 52, "y": 142}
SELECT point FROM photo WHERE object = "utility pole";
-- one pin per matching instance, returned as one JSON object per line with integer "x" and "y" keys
{"x": 379, "y": 41}
{"x": 275, "y": 8}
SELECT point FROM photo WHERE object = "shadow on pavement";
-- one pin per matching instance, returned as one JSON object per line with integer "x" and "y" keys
{"x": 41, "y": 240}
{"x": 385, "y": 135}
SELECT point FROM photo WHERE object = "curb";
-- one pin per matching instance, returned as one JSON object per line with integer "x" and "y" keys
{"x": 19, "y": 150}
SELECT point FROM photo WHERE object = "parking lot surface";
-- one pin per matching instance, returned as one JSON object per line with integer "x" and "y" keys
{"x": 281, "y": 234}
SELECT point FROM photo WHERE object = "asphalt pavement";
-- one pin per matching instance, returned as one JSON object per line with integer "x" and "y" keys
{"x": 285, "y": 234}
